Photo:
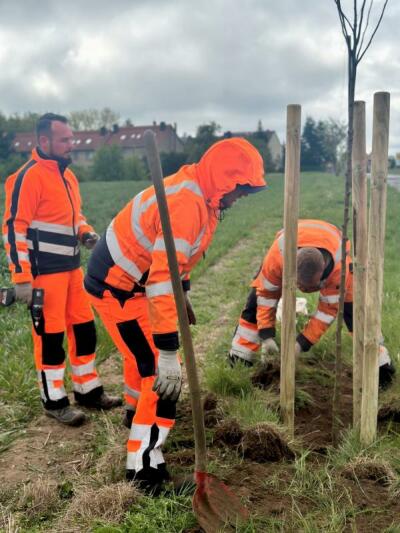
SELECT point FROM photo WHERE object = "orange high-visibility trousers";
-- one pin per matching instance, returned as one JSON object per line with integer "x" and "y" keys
{"x": 66, "y": 307}
{"x": 129, "y": 327}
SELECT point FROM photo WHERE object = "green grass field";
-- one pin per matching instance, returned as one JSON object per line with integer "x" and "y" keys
{"x": 311, "y": 492}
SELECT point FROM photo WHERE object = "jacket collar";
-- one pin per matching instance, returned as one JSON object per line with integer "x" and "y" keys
{"x": 55, "y": 163}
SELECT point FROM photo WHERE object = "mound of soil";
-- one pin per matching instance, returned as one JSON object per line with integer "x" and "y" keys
{"x": 389, "y": 412}
{"x": 229, "y": 432}
{"x": 377, "y": 471}
{"x": 210, "y": 402}
{"x": 268, "y": 374}
{"x": 263, "y": 444}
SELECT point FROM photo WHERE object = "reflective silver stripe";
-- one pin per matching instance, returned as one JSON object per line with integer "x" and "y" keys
{"x": 197, "y": 242}
{"x": 138, "y": 209}
{"x": 139, "y": 431}
{"x": 55, "y": 393}
{"x": 323, "y": 317}
{"x": 159, "y": 289}
{"x": 248, "y": 334}
{"x": 117, "y": 255}
{"x": 8, "y": 259}
{"x": 131, "y": 392}
{"x": 268, "y": 285}
{"x": 53, "y": 228}
{"x": 19, "y": 237}
{"x": 52, "y": 374}
{"x": 81, "y": 222}
{"x": 83, "y": 370}
{"x": 58, "y": 249}
{"x": 281, "y": 243}
{"x": 331, "y": 299}
{"x": 181, "y": 245}
{"x": 267, "y": 302}
{"x": 23, "y": 256}
{"x": 84, "y": 388}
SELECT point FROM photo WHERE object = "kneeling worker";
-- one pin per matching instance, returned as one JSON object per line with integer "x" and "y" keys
{"x": 318, "y": 269}
{"x": 129, "y": 280}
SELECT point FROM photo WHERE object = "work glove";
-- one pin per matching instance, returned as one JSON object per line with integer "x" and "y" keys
{"x": 189, "y": 309}
{"x": 297, "y": 349}
{"x": 386, "y": 368}
{"x": 89, "y": 239}
{"x": 169, "y": 376}
{"x": 268, "y": 347}
{"x": 235, "y": 355}
{"x": 23, "y": 293}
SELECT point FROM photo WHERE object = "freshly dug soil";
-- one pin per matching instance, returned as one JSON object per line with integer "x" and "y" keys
{"x": 210, "y": 402}
{"x": 263, "y": 443}
{"x": 229, "y": 432}
{"x": 268, "y": 374}
{"x": 377, "y": 471}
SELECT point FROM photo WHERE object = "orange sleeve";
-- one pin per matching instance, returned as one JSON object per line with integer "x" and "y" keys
{"x": 268, "y": 286}
{"x": 22, "y": 198}
{"x": 185, "y": 225}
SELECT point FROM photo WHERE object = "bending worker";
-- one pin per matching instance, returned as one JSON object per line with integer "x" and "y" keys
{"x": 318, "y": 269}
{"x": 129, "y": 280}
{"x": 43, "y": 227}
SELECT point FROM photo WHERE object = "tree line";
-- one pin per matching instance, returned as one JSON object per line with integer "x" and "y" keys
{"x": 322, "y": 146}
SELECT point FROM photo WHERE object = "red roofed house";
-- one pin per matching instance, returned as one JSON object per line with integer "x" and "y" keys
{"x": 129, "y": 138}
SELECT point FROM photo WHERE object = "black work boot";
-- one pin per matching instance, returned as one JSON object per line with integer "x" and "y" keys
{"x": 67, "y": 415}
{"x": 150, "y": 480}
{"x": 104, "y": 401}
{"x": 128, "y": 417}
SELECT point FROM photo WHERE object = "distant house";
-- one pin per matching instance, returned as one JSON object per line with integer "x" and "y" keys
{"x": 273, "y": 143}
{"x": 129, "y": 138}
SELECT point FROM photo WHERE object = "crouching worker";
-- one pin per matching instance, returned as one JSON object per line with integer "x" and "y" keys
{"x": 129, "y": 280}
{"x": 318, "y": 270}
{"x": 42, "y": 231}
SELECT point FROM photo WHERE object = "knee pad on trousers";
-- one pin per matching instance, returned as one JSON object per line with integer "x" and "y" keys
{"x": 52, "y": 348}
{"x": 136, "y": 341}
{"x": 85, "y": 338}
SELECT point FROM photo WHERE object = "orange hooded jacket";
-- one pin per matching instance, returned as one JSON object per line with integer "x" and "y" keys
{"x": 42, "y": 219}
{"x": 131, "y": 257}
{"x": 268, "y": 283}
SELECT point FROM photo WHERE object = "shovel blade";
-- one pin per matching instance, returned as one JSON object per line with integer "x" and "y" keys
{"x": 216, "y": 508}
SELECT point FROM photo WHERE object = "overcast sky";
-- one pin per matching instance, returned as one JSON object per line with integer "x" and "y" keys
{"x": 192, "y": 61}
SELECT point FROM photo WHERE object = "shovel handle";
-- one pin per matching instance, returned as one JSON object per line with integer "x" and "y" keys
{"x": 190, "y": 361}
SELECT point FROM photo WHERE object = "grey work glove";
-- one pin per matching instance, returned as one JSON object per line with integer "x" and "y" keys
{"x": 297, "y": 349}
{"x": 189, "y": 309}
{"x": 89, "y": 239}
{"x": 23, "y": 293}
{"x": 169, "y": 375}
{"x": 268, "y": 347}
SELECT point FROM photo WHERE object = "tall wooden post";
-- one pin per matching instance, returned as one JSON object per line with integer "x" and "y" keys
{"x": 291, "y": 214}
{"x": 376, "y": 238}
{"x": 360, "y": 236}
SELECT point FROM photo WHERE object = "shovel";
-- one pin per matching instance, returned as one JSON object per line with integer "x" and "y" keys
{"x": 214, "y": 505}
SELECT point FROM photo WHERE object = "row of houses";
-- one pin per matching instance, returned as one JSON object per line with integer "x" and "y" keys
{"x": 130, "y": 140}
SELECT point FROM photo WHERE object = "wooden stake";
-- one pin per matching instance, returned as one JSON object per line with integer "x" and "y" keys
{"x": 360, "y": 236}
{"x": 291, "y": 214}
{"x": 376, "y": 238}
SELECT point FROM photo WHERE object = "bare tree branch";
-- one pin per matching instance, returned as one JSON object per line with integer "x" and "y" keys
{"x": 343, "y": 18}
{"x": 361, "y": 21}
{"x": 366, "y": 25}
{"x": 359, "y": 57}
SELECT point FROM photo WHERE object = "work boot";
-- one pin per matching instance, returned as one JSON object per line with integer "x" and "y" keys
{"x": 150, "y": 480}
{"x": 104, "y": 401}
{"x": 67, "y": 415}
{"x": 128, "y": 417}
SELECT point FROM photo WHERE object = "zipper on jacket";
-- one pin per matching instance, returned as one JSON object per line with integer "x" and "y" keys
{"x": 73, "y": 213}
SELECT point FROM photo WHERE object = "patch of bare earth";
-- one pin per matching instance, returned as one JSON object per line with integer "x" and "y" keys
{"x": 53, "y": 451}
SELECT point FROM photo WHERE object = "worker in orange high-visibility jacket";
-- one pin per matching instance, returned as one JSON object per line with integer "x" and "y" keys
{"x": 318, "y": 269}
{"x": 42, "y": 229}
{"x": 129, "y": 280}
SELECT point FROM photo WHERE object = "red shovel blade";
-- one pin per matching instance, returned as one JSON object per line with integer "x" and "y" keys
{"x": 215, "y": 506}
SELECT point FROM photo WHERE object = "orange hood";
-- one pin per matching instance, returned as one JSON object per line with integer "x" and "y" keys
{"x": 225, "y": 165}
